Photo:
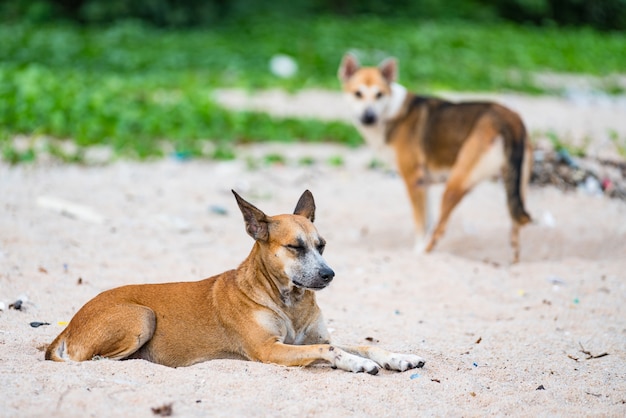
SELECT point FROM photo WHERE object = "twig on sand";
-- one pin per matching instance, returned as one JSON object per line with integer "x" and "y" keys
{"x": 588, "y": 353}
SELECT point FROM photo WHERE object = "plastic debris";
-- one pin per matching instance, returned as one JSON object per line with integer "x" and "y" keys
{"x": 587, "y": 174}
{"x": 70, "y": 209}
{"x": 540, "y": 387}
{"x": 475, "y": 364}
{"x": 547, "y": 219}
{"x": 218, "y": 210}
{"x": 592, "y": 186}
{"x": 17, "y": 305}
{"x": 565, "y": 157}
{"x": 283, "y": 66}
{"x": 181, "y": 155}
{"x": 607, "y": 185}
{"x": 415, "y": 376}
{"x": 175, "y": 222}
{"x": 37, "y": 324}
{"x": 557, "y": 281}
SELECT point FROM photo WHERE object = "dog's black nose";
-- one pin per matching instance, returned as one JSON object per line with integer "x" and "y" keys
{"x": 327, "y": 274}
{"x": 368, "y": 118}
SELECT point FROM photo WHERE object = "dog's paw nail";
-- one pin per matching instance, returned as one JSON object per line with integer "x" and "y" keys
{"x": 416, "y": 363}
{"x": 387, "y": 366}
{"x": 373, "y": 371}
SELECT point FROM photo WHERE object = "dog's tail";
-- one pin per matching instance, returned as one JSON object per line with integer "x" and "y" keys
{"x": 56, "y": 350}
{"x": 517, "y": 169}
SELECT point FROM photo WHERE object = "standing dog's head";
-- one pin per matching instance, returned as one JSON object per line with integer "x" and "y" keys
{"x": 368, "y": 89}
{"x": 290, "y": 244}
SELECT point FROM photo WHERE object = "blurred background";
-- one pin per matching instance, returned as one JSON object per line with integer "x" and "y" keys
{"x": 604, "y": 15}
{"x": 140, "y": 77}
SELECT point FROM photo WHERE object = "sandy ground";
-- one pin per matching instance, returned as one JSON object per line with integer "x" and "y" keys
{"x": 498, "y": 339}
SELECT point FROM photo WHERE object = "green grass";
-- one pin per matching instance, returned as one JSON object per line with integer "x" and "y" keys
{"x": 132, "y": 87}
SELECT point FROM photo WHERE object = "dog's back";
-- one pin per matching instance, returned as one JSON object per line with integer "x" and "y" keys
{"x": 440, "y": 128}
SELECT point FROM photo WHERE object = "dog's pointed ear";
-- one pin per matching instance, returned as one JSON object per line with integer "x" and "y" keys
{"x": 306, "y": 206}
{"x": 389, "y": 69}
{"x": 255, "y": 219}
{"x": 349, "y": 65}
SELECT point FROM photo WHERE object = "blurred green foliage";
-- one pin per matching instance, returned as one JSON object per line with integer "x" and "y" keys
{"x": 600, "y": 14}
{"x": 454, "y": 55}
{"x": 133, "y": 113}
{"x": 133, "y": 86}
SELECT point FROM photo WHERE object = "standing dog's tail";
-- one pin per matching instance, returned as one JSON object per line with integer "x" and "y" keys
{"x": 517, "y": 170}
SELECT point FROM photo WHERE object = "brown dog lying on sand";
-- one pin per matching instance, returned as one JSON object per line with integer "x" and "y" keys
{"x": 265, "y": 310}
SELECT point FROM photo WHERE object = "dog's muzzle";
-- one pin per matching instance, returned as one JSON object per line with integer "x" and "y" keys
{"x": 327, "y": 274}
{"x": 368, "y": 117}
{"x": 324, "y": 276}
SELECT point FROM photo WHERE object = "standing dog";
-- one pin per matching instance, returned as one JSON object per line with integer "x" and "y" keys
{"x": 265, "y": 310}
{"x": 470, "y": 141}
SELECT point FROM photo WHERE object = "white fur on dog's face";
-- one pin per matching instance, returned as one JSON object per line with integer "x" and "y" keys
{"x": 303, "y": 263}
{"x": 369, "y": 103}
{"x": 296, "y": 249}
{"x": 368, "y": 93}
{"x": 371, "y": 91}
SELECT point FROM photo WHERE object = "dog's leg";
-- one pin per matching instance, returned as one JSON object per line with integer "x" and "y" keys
{"x": 418, "y": 194}
{"x": 415, "y": 181}
{"x": 515, "y": 241}
{"x": 114, "y": 333}
{"x": 516, "y": 226}
{"x": 451, "y": 197}
{"x": 387, "y": 359}
{"x": 304, "y": 355}
{"x": 527, "y": 169}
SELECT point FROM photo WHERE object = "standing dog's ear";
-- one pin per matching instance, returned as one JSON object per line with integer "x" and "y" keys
{"x": 389, "y": 69}
{"x": 306, "y": 206}
{"x": 255, "y": 219}
{"x": 349, "y": 65}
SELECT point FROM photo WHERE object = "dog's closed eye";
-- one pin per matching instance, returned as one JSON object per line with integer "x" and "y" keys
{"x": 296, "y": 248}
{"x": 358, "y": 94}
{"x": 379, "y": 95}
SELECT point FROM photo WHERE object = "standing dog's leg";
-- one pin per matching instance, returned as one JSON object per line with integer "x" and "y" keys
{"x": 418, "y": 195}
{"x": 453, "y": 194}
{"x": 412, "y": 171}
{"x": 516, "y": 226}
{"x": 110, "y": 340}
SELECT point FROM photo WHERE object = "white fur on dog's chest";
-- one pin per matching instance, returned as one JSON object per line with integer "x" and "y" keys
{"x": 281, "y": 325}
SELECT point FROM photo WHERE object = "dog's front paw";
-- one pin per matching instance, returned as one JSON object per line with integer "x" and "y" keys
{"x": 355, "y": 364}
{"x": 403, "y": 362}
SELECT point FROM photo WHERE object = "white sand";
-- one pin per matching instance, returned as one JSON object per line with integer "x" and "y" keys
{"x": 491, "y": 332}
